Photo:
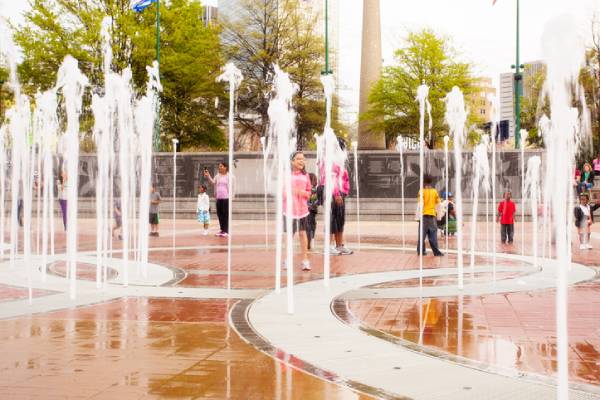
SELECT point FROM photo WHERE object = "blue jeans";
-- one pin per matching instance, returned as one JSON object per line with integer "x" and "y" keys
{"x": 584, "y": 187}
{"x": 430, "y": 232}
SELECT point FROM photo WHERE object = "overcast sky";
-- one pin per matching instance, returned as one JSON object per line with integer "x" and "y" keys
{"x": 485, "y": 34}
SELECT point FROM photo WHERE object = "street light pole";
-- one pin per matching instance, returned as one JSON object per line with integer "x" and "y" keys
{"x": 518, "y": 82}
{"x": 327, "y": 70}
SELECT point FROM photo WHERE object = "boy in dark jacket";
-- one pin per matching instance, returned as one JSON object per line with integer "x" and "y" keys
{"x": 584, "y": 218}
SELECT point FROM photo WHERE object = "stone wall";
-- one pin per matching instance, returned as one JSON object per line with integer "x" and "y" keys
{"x": 378, "y": 172}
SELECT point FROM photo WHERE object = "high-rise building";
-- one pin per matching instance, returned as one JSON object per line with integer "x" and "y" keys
{"x": 507, "y": 91}
{"x": 211, "y": 11}
{"x": 480, "y": 100}
{"x": 507, "y": 100}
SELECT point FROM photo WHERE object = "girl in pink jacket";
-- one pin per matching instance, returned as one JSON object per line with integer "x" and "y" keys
{"x": 301, "y": 191}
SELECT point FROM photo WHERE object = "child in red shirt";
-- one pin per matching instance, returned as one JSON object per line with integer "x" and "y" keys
{"x": 506, "y": 217}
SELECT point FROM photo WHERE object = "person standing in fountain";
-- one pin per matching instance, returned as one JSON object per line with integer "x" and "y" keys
{"x": 506, "y": 217}
{"x": 301, "y": 192}
{"x": 154, "y": 203}
{"x": 203, "y": 208}
{"x": 223, "y": 189}
{"x": 584, "y": 218}
{"x": 341, "y": 188}
{"x": 313, "y": 209}
{"x": 62, "y": 196}
{"x": 430, "y": 200}
{"x": 118, "y": 219}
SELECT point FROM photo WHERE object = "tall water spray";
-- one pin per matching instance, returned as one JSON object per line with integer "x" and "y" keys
{"x": 265, "y": 154}
{"x": 46, "y": 122}
{"x": 564, "y": 53}
{"x": 3, "y": 169}
{"x": 123, "y": 131}
{"x": 356, "y": 184}
{"x": 494, "y": 132}
{"x": 17, "y": 128}
{"x": 424, "y": 107}
{"x": 330, "y": 157}
{"x": 481, "y": 180}
{"x": 174, "y": 218}
{"x": 532, "y": 193}
{"x": 73, "y": 83}
{"x": 456, "y": 116}
{"x": 446, "y": 186}
{"x": 127, "y": 144}
{"x": 233, "y": 76}
{"x": 282, "y": 142}
{"x": 145, "y": 127}
{"x": 544, "y": 126}
{"x": 400, "y": 148}
{"x": 522, "y": 145}
{"x": 103, "y": 134}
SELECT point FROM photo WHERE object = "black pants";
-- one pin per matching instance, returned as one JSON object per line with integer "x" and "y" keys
{"x": 338, "y": 216}
{"x": 20, "y": 212}
{"x": 507, "y": 232}
{"x": 430, "y": 232}
{"x": 223, "y": 214}
{"x": 311, "y": 227}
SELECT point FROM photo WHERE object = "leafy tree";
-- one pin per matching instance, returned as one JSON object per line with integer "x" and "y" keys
{"x": 425, "y": 58}
{"x": 4, "y": 93}
{"x": 590, "y": 80}
{"x": 534, "y": 105}
{"x": 190, "y": 57}
{"x": 268, "y": 32}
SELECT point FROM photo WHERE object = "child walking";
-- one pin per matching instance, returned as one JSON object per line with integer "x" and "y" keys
{"x": 301, "y": 192}
{"x": 584, "y": 218}
{"x": 202, "y": 208}
{"x": 429, "y": 199}
{"x": 506, "y": 217}
{"x": 118, "y": 219}
{"x": 153, "y": 217}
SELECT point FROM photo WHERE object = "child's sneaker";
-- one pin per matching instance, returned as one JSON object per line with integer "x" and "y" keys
{"x": 582, "y": 247}
{"x": 306, "y": 265}
{"x": 589, "y": 246}
{"x": 219, "y": 234}
{"x": 333, "y": 251}
{"x": 344, "y": 251}
{"x": 205, "y": 233}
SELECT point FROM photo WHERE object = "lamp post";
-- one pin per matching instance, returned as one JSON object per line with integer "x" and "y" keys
{"x": 327, "y": 70}
{"x": 518, "y": 82}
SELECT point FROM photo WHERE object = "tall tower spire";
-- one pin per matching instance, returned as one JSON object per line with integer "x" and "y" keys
{"x": 370, "y": 72}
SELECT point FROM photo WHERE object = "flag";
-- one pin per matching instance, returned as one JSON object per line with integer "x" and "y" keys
{"x": 141, "y": 5}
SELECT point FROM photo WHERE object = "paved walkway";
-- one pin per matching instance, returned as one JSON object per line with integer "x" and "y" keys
{"x": 372, "y": 308}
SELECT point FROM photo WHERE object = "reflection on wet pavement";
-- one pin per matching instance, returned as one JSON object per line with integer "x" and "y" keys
{"x": 145, "y": 348}
{"x": 514, "y": 331}
{"x": 12, "y": 293}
